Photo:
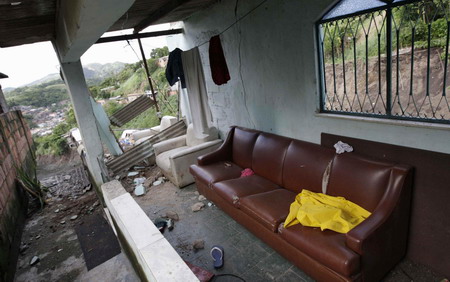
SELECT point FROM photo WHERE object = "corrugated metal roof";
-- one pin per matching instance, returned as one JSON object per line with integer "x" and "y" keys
{"x": 145, "y": 149}
{"x": 131, "y": 110}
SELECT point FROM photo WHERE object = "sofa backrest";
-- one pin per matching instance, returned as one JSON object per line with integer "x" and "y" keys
{"x": 304, "y": 166}
{"x": 361, "y": 180}
{"x": 243, "y": 143}
{"x": 193, "y": 140}
{"x": 268, "y": 156}
{"x": 167, "y": 121}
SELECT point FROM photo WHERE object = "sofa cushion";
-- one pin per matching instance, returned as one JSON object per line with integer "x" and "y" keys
{"x": 163, "y": 159}
{"x": 304, "y": 166}
{"x": 327, "y": 247}
{"x": 268, "y": 156}
{"x": 234, "y": 189}
{"x": 216, "y": 172}
{"x": 269, "y": 208}
{"x": 243, "y": 143}
{"x": 360, "y": 180}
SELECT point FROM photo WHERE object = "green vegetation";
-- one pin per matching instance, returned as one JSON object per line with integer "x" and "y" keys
{"x": 32, "y": 185}
{"x": 52, "y": 90}
{"x": 369, "y": 30}
{"x": 131, "y": 79}
{"x": 41, "y": 95}
{"x": 148, "y": 118}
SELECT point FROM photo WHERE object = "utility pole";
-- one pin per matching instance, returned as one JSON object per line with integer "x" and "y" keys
{"x": 148, "y": 77}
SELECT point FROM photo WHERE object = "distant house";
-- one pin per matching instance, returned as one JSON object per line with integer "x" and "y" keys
{"x": 162, "y": 62}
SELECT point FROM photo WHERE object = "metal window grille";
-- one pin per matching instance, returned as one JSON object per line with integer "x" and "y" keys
{"x": 387, "y": 62}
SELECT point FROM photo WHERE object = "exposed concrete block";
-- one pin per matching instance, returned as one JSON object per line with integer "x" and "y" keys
{"x": 134, "y": 220}
{"x": 155, "y": 256}
{"x": 112, "y": 189}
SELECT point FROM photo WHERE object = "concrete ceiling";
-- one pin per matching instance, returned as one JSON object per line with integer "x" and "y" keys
{"x": 30, "y": 21}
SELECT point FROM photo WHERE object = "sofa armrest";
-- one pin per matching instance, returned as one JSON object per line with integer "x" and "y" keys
{"x": 223, "y": 153}
{"x": 181, "y": 161}
{"x": 170, "y": 144}
{"x": 197, "y": 148}
{"x": 387, "y": 228}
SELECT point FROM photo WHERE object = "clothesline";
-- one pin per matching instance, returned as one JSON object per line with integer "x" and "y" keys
{"x": 236, "y": 21}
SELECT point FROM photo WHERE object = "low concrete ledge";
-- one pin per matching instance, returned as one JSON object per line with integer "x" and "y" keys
{"x": 157, "y": 259}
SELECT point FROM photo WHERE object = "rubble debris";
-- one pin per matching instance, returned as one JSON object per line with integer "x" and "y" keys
{"x": 23, "y": 248}
{"x": 210, "y": 204}
{"x": 148, "y": 182}
{"x": 87, "y": 188}
{"x": 73, "y": 217}
{"x": 62, "y": 222}
{"x": 172, "y": 215}
{"x": 139, "y": 190}
{"x": 57, "y": 211}
{"x": 59, "y": 250}
{"x": 170, "y": 224}
{"x": 34, "y": 260}
{"x": 72, "y": 183}
{"x": 196, "y": 193}
{"x": 161, "y": 224}
{"x": 132, "y": 173}
{"x": 138, "y": 167}
{"x": 38, "y": 236}
{"x": 197, "y": 206}
{"x": 159, "y": 181}
{"x": 198, "y": 245}
{"x": 201, "y": 198}
{"x": 139, "y": 180}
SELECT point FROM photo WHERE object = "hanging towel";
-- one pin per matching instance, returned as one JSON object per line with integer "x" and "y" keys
{"x": 174, "y": 69}
{"x": 219, "y": 69}
{"x": 324, "y": 211}
{"x": 196, "y": 90}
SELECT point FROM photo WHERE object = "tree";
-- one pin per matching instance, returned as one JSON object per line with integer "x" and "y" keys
{"x": 159, "y": 52}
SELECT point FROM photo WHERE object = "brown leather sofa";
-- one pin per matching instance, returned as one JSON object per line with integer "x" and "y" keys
{"x": 283, "y": 167}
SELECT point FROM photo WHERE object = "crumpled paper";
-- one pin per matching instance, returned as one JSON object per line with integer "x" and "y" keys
{"x": 342, "y": 147}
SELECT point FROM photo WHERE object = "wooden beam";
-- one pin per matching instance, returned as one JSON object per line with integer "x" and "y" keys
{"x": 158, "y": 14}
{"x": 139, "y": 35}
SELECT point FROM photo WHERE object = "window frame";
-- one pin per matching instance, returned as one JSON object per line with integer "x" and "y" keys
{"x": 388, "y": 93}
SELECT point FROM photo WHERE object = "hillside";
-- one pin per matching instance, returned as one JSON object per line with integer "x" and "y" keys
{"x": 51, "y": 89}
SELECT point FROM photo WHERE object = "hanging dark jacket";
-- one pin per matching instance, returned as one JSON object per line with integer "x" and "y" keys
{"x": 174, "y": 69}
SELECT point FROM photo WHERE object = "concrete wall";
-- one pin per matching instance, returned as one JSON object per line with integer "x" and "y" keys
{"x": 15, "y": 150}
{"x": 271, "y": 56}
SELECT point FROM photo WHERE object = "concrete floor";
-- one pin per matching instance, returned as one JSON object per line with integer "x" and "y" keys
{"x": 61, "y": 258}
{"x": 245, "y": 255}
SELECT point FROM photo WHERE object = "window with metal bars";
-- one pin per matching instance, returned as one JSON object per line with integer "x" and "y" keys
{"x": 386, "y": 59}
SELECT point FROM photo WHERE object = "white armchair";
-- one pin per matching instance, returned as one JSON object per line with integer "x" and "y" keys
{"x": 174, "y": 156}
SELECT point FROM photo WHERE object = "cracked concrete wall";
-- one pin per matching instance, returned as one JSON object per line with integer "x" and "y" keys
{"x": 272, "y": 61}
{"x": 16, "y": 144}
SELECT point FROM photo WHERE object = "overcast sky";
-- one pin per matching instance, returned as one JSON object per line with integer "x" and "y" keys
{"x": 27, "y": 63}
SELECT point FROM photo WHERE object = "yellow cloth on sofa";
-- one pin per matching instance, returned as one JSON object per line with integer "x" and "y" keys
{"x": 324, "y": 211}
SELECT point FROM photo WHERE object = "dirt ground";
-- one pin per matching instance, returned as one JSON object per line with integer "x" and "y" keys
{"x": 49, "y": 233}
